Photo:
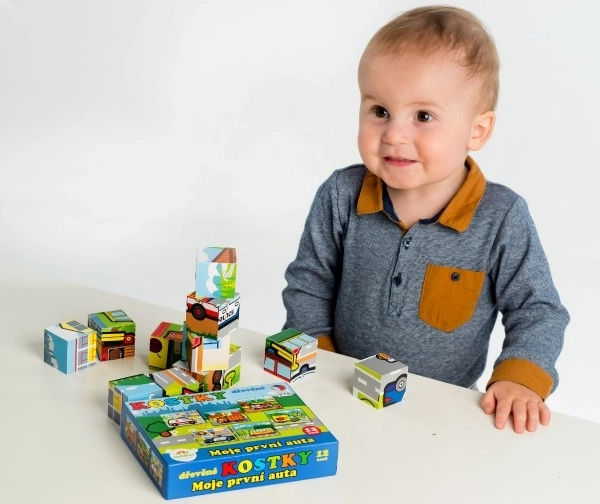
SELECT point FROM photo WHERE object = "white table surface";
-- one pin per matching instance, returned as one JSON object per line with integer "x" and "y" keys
{"x": 58, "y": 444}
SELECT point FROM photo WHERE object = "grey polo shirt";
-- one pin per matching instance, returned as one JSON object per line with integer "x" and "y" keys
{"x": 429, "y": 295}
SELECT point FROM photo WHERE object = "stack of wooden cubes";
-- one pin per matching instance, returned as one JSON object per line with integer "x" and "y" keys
{"x": 203, "y": 345}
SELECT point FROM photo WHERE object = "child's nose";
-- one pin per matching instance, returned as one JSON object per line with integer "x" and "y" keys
{"x": 396, "y": 132}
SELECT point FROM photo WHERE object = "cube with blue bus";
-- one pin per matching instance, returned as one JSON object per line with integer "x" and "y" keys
{"x": 380, "y": 380}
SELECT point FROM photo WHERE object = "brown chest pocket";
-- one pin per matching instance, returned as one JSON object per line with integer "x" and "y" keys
{"x": 449, "y": 296}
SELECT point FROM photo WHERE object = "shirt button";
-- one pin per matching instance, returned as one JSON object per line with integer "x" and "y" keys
{"x": 398, "y": 279}
{"x": 455, "y": 276}
{"x": 406, "y": 242}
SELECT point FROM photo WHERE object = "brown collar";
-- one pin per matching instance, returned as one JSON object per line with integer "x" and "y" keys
{"x": 457, "y": 214}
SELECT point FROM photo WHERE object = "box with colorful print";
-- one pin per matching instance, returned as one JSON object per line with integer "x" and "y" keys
{"x": 116, "y": 334}
{"x": 212, "y": 442}
{"x": 380, "y": 380}
{"x": 212, "y": 317}
{"x": 166, "y": 345}
{"x": 216, "y": 270}
{"x": 290, "y": 355}
{"x": 69, "y": 346}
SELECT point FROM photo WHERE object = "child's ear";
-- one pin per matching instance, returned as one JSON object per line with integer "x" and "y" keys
{"x": 483, "y": 125}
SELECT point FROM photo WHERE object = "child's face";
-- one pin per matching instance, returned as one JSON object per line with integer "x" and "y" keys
{"x": 419, "y": 117}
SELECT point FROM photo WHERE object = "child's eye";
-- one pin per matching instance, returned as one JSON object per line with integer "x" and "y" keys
{"x": 423, "y": 116}
{"x": 380, "y": 112}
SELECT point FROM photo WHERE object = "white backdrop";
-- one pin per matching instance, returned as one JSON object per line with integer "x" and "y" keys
{"x": 133, "y": 132}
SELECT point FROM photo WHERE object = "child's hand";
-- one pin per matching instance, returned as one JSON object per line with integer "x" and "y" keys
{"x": 527, "y": 408}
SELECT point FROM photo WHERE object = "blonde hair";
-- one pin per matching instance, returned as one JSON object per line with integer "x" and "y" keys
{"x": 435, "y": 29}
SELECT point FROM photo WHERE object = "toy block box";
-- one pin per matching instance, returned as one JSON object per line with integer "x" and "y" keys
{"x": 216, "y": 271}
{"x": 163, "y": 383}
{"x": 290, "y": 355}
{"x": 166, "y": 345}
{"x": 232, "y": 439}
{"x": 212, "y": 317}
{"x": 116, "y": 334}
{"x": 205, "y": 353}
{"x": 69, "y": 346}
{"x": 380, "y": 380}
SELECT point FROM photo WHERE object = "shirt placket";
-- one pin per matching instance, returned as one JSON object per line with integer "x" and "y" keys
{"x": 401, "y": 271}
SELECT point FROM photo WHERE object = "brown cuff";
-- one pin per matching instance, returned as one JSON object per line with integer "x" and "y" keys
{"x": 325, "y": 343}
{"x": 526, "y": 373}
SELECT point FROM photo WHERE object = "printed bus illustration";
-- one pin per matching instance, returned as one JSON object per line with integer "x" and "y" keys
{"x": 290, "y": 354}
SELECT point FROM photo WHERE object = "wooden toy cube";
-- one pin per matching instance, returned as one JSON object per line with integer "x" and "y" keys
{"x": 166, "y": 345}
{"x": 212, "y": 317}
{"x": 218, "y": 379}
{"x": 210, "y": 380}
{"x": 204, "y": 353}
{"x": 116, "y": 334}
{"x": 130, "y": 388}
{"x": 216, "y": 269}
{"x": 290, "y": 355}
{"x": 141, "y": 387}
{"x": 175, "y": 381}
{"x": 380, "y": 380}
{"x": 69, "y": 346}
{"x": 234, "y": 371}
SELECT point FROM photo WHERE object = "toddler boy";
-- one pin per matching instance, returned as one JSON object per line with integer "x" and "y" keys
{"x": 414, "y": 253}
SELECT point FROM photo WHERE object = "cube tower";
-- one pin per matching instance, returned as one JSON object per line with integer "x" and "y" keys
{"x": 290, "y": 355}
{"x": 380, "y": 380}
{"x": 212, "y": 311}
{"x": 201, "y": 345}
{"x": 70, "y": 346}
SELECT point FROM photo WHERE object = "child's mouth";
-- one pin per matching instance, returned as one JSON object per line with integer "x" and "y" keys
{"x": 399, "y": 161}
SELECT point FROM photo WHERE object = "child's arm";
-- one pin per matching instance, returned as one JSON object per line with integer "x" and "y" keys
{"x": 527, "y": 408}
{"x": 534, "y": 320}
{"x": 312, "y": 278}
